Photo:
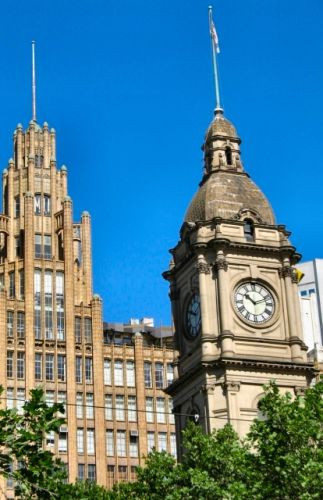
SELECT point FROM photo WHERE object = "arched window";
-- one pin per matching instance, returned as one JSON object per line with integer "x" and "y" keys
{"x": 228, "y": 155}
{"x": 248, "y": 230}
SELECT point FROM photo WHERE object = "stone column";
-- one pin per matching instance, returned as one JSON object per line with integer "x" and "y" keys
{"x": 220, "y": 267}
{"x": 203, "y": 269}
{"x": 231, "y": 390}
{"x": 29, "y": 290}
{"x": 46, "y": 145}
{"x": 86, "y": 256}
{"x": 10, "y": 239}
{"x": 3, "y": 339}
{"x": 97, "y": 333}
{"x": 63, "y": 181}
{"x": 140, "y": 391}
{"x": 69, "y": 332}
{"x": 286, "y": 273}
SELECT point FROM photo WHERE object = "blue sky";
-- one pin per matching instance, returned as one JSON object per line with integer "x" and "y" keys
{"x": 128, "y": 87}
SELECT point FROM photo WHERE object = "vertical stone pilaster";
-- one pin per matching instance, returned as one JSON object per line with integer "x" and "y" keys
{"x": 10, "y": 239}
{"x": 52, "y": 144}
{"x": 70, "y": 343}
{"x": 3, "y": 339}
{"x": 97, "y": 332}
{"x": 86, "y": 257}
{"x": 63, "y": 181}
{"x": 29, "y": 290}
{"x": 54, "y": 203}
{"x": 19, "y": 139}
{"x": 141, "y": 402}
{"x": 295, "y": 341}
{"x": 46, "y": 146}
{"x": 203, "y": 269}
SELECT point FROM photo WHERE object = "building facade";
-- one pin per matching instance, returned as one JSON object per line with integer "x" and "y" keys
{"x": 311, "y": 300}
{"x": 234, "y": 294}
{"x": 52, "y": 330}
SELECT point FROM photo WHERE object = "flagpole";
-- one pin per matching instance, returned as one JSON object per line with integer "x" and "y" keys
{"x": 218, "y": 107}
{"x": 33, "y": 80}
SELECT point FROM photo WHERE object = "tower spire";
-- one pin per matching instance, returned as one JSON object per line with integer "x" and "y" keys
{"x": 33, "y": 80}
{"x": 215, "y": 51}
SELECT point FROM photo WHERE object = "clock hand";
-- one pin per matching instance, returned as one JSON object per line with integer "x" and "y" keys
{"x": 248, "y": 297}
{"x": 259, "y": 301}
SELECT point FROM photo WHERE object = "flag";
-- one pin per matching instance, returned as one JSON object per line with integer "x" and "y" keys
{"x": 214, "y": 36}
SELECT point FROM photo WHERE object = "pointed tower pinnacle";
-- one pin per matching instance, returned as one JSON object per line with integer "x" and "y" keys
{"x": 33, "y": 78}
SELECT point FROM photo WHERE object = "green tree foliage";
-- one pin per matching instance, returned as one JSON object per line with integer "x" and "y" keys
{"x": 35, "y": 470}
{"x": 281, "y": 458}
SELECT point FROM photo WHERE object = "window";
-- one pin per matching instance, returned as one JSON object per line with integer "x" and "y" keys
{"x": 133, "y": 473}
{"x": 303, "y": 293}
{"x": 91, "y": 473}
{"x": 121, "y": 444}
{"x": 20, "y": 325}
{"x": 20, "y": 400}
{"x": 108, "y": 407}
{"x": 118, "y": 373}
{"x": 159, "y": 379}
{"x": 122, "y": 472}
{"x": 228, "y": 155}
{"x": 90, "y": 441}
{"x": 10, "y": 364}
{"x": 171, "y": 416}
{"x": 37, "y": 204}
{"x": 38, "y": 246}
{"x": 248, "y": 230}
{"x": 61, "y": 398}
{"x": 88, "y": 370}
{"x": 149, "y": 410}
{"x": 9, "y": 323}
{"x": 77, "y": 329}
{"x": 170, "y": 373}
{"x": 133, "y": 446}
{"x": 79, "y": 405}
{"x": 61, "y": 367}
{"x": 150, "y": 441}
{"x": 38, "y": 366}
{"x": 17, "y": 206}
{"x": 50, "y": 439}
{"x": 62, "y": 439}
{"x": 46, "y": 204}
{"x": 18, "y": 246}
{"x": 37, "y": 304}
{"x": 173, "y": 448}
{"x": 47, "y": 246}
{"x": 311, "y": 291}
{"x": 89, "y": 405}
{"x": 107, "y": 371}
{"x": 48, "y": 290}
{"x": 87, "y": 329}
{"x": 147, "y": 372}
{"x": 80, "y": 440}
{"x": 132, "y": 409}
{"x": 109, "y": 443}
{"x": 50, "y": 398}
{"x": 21, "y": 283}
{"x": 160, "y": 410}
{"x": 49, "y": 367}
{"x": 111, "y": 472}
{"x": 39, "y": 160}
{"x": 80, "y": 472}
{"x": 60, "y": 305}
{"x": 20, "y": 364}
{"x": 120, "y": 407}
{"x": 10, "y": 398}
{"x": 130, "y": 373}
{"x": 78, "y": 369}
{"x": 12, "y": 285}
{"x": 162, "y": 441}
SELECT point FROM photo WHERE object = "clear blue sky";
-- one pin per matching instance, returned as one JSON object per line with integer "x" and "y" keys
{"x": 128, "y": 87}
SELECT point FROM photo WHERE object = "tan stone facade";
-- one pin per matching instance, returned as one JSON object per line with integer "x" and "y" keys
{"x": 233, "y": 288}
{"x": 51, "y": 323}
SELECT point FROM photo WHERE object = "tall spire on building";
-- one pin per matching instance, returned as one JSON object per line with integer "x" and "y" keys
{"x": 215, "y": 51}
{"x": 33, "y": 80}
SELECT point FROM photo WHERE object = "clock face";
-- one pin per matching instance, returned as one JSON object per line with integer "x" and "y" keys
{"x": 193, "y": 316}
{"x": 254, "y": 303}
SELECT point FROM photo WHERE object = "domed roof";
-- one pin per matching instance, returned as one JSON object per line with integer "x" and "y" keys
{"x": 226, "y": 189}
{"x": 224, "y": 194}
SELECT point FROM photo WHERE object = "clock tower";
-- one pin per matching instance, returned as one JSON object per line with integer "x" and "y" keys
{"x": 233, "y": 288}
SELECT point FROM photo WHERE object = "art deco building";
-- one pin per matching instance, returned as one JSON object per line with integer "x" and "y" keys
{"x": 52, "y": 331}
{"x": 233, "y": 287}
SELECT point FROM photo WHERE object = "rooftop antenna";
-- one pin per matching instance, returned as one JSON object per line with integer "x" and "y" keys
{"x": 215, "y": 51}
{"x": 33, "y": 80}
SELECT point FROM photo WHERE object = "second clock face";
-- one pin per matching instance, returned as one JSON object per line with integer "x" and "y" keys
{"x": 193, "y": 316}
{"x": 254, "y": 302}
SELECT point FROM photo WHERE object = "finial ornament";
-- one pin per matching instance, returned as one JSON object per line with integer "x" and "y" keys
{"x": 215, "y": 50}
{"x": 33, "y": 80}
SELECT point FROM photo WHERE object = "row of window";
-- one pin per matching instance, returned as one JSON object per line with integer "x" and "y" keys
{"x": 123, "y": 373}
{"x": 42, "y": 205}
{"x": 157, "y": 407}
{"x": 43, "y": 310}
{"x": 305, "y": 293}
{"x": 12, "y": 285}
{"x": 16, "y": 324}
{"x": 164, "y": 374}
{"x": 117, "y": 443}
{"x": 116, "y": 408}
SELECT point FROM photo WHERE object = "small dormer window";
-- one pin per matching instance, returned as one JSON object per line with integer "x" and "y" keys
{"x": 248, "y": 230}
{"x": 228, "y": 155}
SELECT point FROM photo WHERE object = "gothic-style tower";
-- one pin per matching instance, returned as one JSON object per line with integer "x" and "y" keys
{"x": 233, "y": 287}
{"x": 51, "y": 324}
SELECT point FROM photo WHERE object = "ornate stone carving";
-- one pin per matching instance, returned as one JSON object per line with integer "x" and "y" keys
{"x": 230, "y": 387}
{"x": 203, "y": 267}
{"x": 299, "y": 391}
{"x": 220, "y": 263}
{"x": 288, "y": 271}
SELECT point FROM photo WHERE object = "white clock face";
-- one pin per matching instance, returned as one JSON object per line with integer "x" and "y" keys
{"x": 254, "y": 303}
{"x": 193, "y": 316}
